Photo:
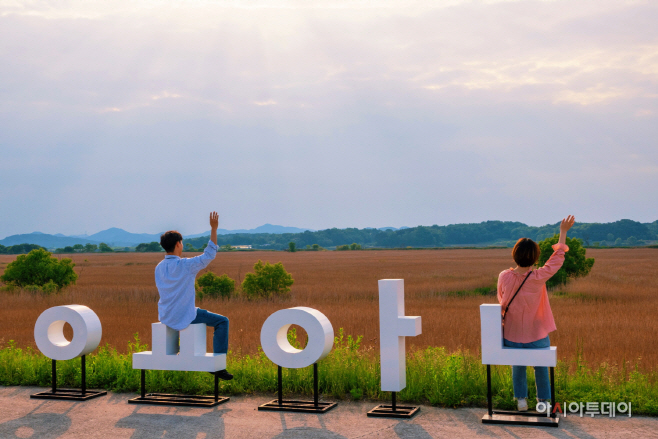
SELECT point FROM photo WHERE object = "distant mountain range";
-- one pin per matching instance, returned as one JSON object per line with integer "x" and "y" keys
{"x": 116, "y": 237}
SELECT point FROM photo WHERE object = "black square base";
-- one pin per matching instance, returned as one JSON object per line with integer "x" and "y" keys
{"x": 518, "y": 413}
{"x": 179, "y": 400}
{"x": 386, "y": 411}
{"x": 69, "y": 394}
{"x": 297, "y": 406}
{"x": 520, "y": 419}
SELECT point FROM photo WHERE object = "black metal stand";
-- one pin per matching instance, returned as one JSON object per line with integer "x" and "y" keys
{"x": 394, "y": 410}
{"x": 516, "y": 417}
{"x": 69, "y": 394}
{"x": 179, "y": 400}
{"x": 315, "y": 406}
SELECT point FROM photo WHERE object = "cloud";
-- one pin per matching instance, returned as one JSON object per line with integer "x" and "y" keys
{"x": 324, "y": 114}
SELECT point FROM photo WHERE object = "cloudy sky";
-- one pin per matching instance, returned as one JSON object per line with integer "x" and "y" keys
{"x": 147, "y": 115}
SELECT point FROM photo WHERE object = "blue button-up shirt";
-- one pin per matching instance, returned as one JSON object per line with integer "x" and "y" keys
{"x": 174, "y": 278}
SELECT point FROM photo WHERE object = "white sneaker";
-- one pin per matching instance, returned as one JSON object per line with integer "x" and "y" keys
{"x": 522, "y": 405}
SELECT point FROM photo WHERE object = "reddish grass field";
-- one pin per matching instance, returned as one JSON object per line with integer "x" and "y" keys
{"x": 611, "y": 313}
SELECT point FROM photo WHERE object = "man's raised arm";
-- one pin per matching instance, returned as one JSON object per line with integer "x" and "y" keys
{"x": 198, "y": 263}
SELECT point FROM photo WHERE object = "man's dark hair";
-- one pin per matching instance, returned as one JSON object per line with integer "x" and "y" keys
{"x": 525, "y": 252}
{"x": 169, "y": 239}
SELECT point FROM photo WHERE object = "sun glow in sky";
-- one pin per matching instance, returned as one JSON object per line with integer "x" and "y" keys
{"x": 147, "y": 115}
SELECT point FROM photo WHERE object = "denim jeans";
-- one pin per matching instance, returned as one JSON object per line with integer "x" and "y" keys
{"x": 220, "y": 323}
{"x": 519, "y": 377}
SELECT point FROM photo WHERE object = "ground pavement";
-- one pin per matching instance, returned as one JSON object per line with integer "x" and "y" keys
{"x": 112, "y": 417}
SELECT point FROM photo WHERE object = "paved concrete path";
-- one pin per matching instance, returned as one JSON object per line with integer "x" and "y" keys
{"x": 112, "y": 417}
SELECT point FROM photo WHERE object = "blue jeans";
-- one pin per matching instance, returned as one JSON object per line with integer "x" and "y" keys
{"x": 519, "y": 377}
{"x": 220, "y": 323}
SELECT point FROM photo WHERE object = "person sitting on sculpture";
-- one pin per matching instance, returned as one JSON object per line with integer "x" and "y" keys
{"x": 529, "y": 319}
{"x": 174, "y": 278}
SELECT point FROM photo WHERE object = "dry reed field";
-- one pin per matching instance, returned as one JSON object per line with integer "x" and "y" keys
{"x": 611, "y": 313}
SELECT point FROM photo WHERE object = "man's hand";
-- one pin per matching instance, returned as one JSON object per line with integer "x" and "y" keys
{"x": 214, "y": 220}
{"x": 565, "y": 225}
{"x": 214, "y": 223}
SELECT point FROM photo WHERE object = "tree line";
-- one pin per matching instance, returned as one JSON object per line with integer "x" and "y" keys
{"x": 19, "y": 249}
{"x": 489, "y": 233}
{"x": 501, "y": 233}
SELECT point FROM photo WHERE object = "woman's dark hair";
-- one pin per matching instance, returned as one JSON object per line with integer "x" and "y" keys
{"x": 169, "y": 239}
{"x": 525, "y": 252}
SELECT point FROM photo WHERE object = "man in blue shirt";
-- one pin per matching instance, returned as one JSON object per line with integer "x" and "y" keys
{"x": 175, "y": 276}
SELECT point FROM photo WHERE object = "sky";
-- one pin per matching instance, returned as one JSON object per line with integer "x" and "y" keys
{"x": 148, "y": 115}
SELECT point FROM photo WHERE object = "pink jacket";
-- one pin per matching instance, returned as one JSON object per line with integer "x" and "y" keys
{"x": 529, "y": 317}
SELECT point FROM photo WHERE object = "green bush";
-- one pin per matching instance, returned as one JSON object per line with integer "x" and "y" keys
{"x": 149, "y": 247}
{"x": 104, "y": 248}
{"x": 352, "y": 246}
{"x": 38, "y": 271}
{"x": 575, "y": 262}
{"x": 213, "y": 286}
{"x": 267, "y": 280}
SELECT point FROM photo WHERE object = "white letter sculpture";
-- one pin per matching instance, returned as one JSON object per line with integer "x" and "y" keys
{"x": 274, "y": 340}
{"x": 493, "y": 351}
{"x": 191, "y": 356}
{"x": 49, "y": 332}
{"x": 394, "y": 326}
{"x": 49, "y": 337}
{"x": 274, "y": 337}
{"x": 183, "y": 350}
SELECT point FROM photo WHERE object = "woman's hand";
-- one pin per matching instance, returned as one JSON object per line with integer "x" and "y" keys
{"x": 565, "y": 225}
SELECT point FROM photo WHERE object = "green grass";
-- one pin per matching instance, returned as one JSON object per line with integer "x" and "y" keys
{"x": 434, "y": 376}
{"x": 481, "y": 291}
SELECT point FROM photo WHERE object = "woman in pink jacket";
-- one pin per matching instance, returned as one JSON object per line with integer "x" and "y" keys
{"x": 529, "y": 318}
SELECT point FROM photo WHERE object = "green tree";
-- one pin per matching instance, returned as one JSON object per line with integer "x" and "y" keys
{"x": 78, "y": 247}
{"x": 292, "y": 247}
{"x": 618, "y": 242}
{"x": 226, "y": 248}
{"x": 39, "y": 269}
{"x": 267, "y": 280}
{"x": 316, "y": 247}
{"x": 104, "y": 247}
{"x": 22, "y": 248}
{"x": 90, "y": 248}
{"x": 576, "y": 264}
{"x": 213, "y": 286}
{"x": 148, "y": 247}
{"x": 631, "y": 240}
{"x": 342, "y": 247}
{"x": 189, "y": 247}
{"x": 610, "y": 238}
{"x": 355, "y": 246}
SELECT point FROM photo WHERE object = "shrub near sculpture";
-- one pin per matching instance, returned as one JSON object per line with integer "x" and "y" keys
{"x": 38, "y": 271}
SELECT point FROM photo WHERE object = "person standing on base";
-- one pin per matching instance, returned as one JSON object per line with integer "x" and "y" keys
{"x": 174, "y": 278}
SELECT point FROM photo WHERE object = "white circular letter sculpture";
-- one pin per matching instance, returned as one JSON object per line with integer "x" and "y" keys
{"x": 274, "y": 337}
{"x": 49, "y": 336}
{"x": 49, "y": 332}
{"x": 274, "y": 340}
